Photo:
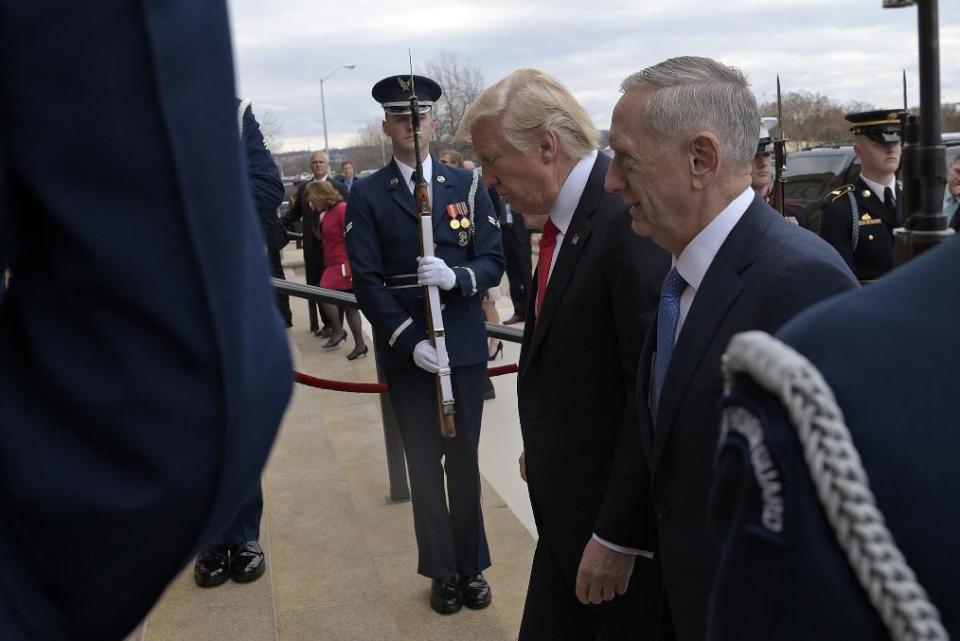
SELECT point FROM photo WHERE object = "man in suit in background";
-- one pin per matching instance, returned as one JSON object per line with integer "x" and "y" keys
{"x": 597, "y": 287}
{"x": 144, "y": 367}
{"x": 516, "y": 253}
{"x": 684, "y": 136}
{"x": 312, "y": 241}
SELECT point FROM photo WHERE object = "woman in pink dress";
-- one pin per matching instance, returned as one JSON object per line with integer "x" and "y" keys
{"x": 326, "y": 200}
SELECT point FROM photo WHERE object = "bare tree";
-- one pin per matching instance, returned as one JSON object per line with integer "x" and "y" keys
{"x": 461, "y": 82}
{"x": 812, "y": 117}
{"x": 270, "y": 127}
{"x": 370, "y": 147}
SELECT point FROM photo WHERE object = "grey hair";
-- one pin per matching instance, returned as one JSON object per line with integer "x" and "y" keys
{"x": 529, "y": 103}
{"x": 692, "y": 94}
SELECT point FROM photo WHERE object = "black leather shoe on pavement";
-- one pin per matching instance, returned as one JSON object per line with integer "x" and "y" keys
{"x": 445, "y": 596}
{"x": 247, "y": 562}
{"x": 212, "y": 567}
{"x": 476, "y": 592}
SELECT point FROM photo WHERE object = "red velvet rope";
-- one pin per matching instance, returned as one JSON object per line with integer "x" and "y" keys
{"x": 375, "y": 388}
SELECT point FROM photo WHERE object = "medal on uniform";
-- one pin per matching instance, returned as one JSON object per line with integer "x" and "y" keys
{"x": 455, "y": 224}
{"x": 462, "y": 239}
{"x": 465, "y": 223}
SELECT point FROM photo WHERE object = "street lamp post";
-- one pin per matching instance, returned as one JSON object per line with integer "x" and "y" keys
{"x": 323, "y": 106}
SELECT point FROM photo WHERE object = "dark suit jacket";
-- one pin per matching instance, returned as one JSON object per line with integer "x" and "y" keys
{"x": 143, "y": 365}
{"x": 898, "y": 397}
{"x": 766, "y": 271}
{"x": 578, "y": 365}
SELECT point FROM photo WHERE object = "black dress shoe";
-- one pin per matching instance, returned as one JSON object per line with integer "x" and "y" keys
{"x": 212, "y": 567}
{"x": 513, "y": 320}
{"x": 247, "y": 562}
{"x": 476, "y": 592}
{"x": 335, "y": 339}
{"x": 445, "y": 596}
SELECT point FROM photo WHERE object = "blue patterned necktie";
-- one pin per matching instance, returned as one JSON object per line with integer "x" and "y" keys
{"x": 668, "y": 315}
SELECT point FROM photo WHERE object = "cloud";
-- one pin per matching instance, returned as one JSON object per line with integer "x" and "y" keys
{"x": 846, "y": 49}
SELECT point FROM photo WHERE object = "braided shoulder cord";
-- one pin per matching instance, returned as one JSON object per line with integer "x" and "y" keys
{"x": 472, "y": 202}
{"x": 841, "y": 482}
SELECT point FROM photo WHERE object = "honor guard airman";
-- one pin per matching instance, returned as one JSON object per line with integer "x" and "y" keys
{"x": 858, "y": 219}
{"x": 382, "y": 235}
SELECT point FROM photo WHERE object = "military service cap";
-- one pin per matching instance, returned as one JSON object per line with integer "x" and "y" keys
{"x": 765, "y": 144}
{"x": 880, "y": 125}
{"x": 393, "y": 93}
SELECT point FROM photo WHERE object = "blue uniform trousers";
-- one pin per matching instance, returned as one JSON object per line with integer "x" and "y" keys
{"x": 450, "y": 535}
{"x": 246, "y": 527}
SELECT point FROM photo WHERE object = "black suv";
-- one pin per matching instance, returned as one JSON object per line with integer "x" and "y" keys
{"x": 813, "y": 173}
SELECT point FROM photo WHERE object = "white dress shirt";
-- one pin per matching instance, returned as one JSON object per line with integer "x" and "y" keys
{"x": 692, "y": 264}
{"x": 567, "y": 200}
{"x": 877, "y": 188}
{"x": 407, "y": 172}
{"x": 696, "y": 258}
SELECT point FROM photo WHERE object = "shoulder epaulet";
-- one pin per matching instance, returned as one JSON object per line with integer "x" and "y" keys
{"x": 840, "y": 192}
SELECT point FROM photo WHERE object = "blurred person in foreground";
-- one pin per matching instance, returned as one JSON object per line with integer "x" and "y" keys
{"x": 145, "y": 367}
{"x": 595, "y": 290}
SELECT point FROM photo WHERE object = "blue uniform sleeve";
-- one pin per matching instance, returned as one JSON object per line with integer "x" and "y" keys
{"x": 366, "y": 261}
{"x": 265, "y": 184}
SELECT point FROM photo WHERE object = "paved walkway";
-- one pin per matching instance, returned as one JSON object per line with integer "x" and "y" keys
{"x": 341, "y": 560}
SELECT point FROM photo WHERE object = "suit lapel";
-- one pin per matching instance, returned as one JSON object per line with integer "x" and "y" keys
{"x": 574, "y": 241}
{"x": 719, "y": 290}
{"x": 644, "y": 376}
{"x": 397, "y": 188}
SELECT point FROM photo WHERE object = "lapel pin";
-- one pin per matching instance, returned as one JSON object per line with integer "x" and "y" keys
{"x": 393, "y": 182}
{"x": 441, "y": 179}
{"x": 575, "y": 239}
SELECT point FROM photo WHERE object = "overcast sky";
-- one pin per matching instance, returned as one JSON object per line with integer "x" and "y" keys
{"x": 846, "y": 49}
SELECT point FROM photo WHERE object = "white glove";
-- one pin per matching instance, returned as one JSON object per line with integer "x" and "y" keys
{"x": 425, "y": 357}
{"x": 433, "y": 271}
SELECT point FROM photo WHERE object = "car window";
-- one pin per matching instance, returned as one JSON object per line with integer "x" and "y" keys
{"x": 818, "y": 164}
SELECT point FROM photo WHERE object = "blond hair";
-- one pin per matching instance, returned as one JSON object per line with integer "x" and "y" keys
{"x": 529, "y": 103}
{"x": 321, "y": 194}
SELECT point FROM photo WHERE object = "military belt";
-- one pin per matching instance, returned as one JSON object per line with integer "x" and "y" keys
{"x": 400, "y": 281}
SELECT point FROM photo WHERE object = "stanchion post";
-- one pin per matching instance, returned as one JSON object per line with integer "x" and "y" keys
{"x": 396, "y": 464}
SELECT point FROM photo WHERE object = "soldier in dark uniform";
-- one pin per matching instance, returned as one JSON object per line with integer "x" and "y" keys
{"x": 790, "y": 483}
{"x": 237, "y": 554}
{"x": 382, "y": 233}
{"x": 859, "y": 219}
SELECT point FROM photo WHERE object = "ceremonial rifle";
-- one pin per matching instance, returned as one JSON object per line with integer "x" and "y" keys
{"x": 779, "y": 196}
{"x": 431, "y": 294}
{"x": 923, "y": 157}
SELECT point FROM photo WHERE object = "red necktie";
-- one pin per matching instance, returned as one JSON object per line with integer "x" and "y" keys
{"x": 548, "y": 242}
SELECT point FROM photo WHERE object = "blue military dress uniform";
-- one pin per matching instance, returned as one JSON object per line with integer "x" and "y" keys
{"x": 382, "y": 237}
{"x": 782, "y": 573}
{"x": 143, "y": 366}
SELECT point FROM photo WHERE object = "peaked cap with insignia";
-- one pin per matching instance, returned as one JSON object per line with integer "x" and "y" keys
{"x": 393, "y": 93}
{"x": 880, "y": 125}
